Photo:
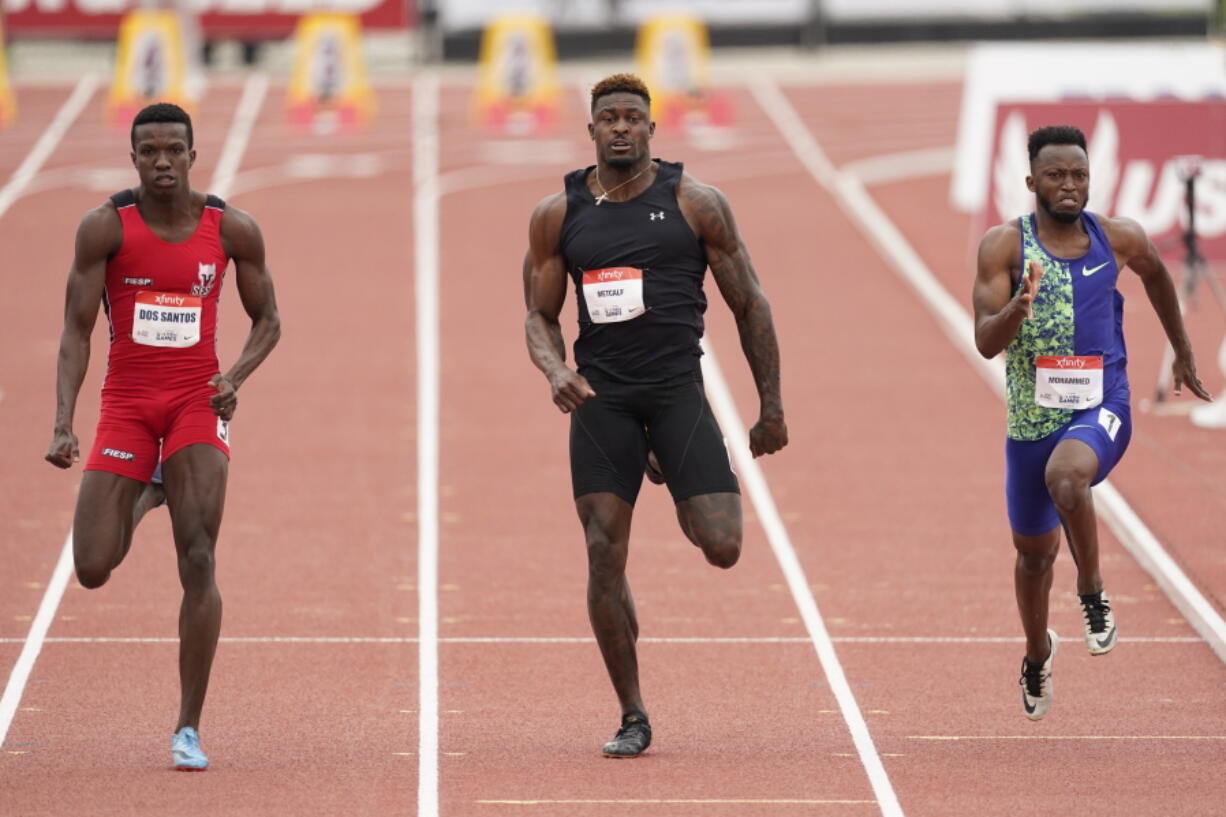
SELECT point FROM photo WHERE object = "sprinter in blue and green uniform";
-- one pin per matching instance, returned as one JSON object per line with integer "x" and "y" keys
{"x": 1045, "y": 294}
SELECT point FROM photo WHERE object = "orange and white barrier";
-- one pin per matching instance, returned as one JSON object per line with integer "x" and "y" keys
{"x": 150, "y": 65}
{"x": 673, "y": 54}
{"x": 8, "y": 104}
{"x": 517, "y": 88}
{"x": 329, "y": 87}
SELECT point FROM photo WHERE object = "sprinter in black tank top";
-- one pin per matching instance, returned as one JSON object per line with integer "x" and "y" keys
{"x": 636, "y": 236}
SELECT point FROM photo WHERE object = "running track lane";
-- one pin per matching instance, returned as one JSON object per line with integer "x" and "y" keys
{"x": 319, "y": 532}
{"x": 898, "y": 568}
{"x": 917, "y": 669}
{"x": 748, "y": 725}
{"x": 936, "y": 560}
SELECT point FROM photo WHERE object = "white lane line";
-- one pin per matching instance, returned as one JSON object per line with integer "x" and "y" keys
{"x": 426, "y": 263}
{"x": 776, "y": 533}
{"x": 238, "y": 135}
{"x": 64, "y": 117}
{"x": 896, "y": 167}
{"x": 678, "y": 801}
{"x": 33, "y": 644}
{"x": 1065, "y": 737}
{"x": 359, "y": 639}
{"x": 958, "y": 326}
{"x": 232, "y": 150}
{"x": 35, "y": 638}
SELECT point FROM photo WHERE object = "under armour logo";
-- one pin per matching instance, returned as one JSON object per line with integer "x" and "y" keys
{"x": 657, "y": 216}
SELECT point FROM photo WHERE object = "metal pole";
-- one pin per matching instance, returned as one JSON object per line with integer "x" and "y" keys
{"x": 813, "y": 31}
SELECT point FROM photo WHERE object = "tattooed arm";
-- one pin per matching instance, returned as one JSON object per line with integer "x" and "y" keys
{"x": 707, "y": 212}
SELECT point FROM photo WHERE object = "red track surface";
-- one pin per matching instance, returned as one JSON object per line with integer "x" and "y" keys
{"x": 890, "y": 490}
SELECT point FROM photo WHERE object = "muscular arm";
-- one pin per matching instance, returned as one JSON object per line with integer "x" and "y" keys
{"x": 998, "y": 312}
{"x": 544, "y": 292}
{"x": 707, "y": 210}
{"x": 99, "y": 235}
{"x": 1134, "y": 248}
{"x": 244, "y": 243}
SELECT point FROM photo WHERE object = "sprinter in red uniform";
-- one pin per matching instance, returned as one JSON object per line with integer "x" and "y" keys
{"x": 155, "y": 257}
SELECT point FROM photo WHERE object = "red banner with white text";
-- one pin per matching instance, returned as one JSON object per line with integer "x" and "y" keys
{"x": 1141, "y": 154}
{"x": 254, "y": 19}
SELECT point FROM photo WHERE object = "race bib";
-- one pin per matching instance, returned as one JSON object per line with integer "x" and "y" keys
{"x": 1068, "y": 382}
{"x": 613, "y": 294}
{"x": 166, "y": 319}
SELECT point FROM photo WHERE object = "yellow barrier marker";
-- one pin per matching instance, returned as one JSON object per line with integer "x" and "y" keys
{"x": 517, "y": 89}
{"x": 674, "y": 59}
{"x": 150, "y": 65}
{"x": 329, "y": 88}
{"x": 8, "y": 103}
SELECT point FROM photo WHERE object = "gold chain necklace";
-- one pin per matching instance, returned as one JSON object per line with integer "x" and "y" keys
{"x": 604, "y": 194}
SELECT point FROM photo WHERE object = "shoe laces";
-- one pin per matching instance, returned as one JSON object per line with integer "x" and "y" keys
{"x": 632, "y": 729}
{"x": 1033, "y": 678}
{"x": 187, "y": 740}
{"x": 1095, "y": 610}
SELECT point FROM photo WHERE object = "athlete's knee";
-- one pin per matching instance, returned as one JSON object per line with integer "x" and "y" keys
{"x": 93, "y": 559}
{"x": 722, "y": 548}
{"x": 606, "y": 560}
{"x": 197, "y": 563}
{"x": 1035, "y": 563}
{"x": 1034, "y": 558}
{"x": 1068, "y": 489}
{"x": 92, "y": 573}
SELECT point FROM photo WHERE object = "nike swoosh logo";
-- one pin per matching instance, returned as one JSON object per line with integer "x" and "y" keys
{"x": 1110, "y": 637}
{"x": 1089, "y": 272}
{"x": 1029, "y": 709}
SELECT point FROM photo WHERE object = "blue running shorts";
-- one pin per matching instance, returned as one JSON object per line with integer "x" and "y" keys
{"x": 1106, "y": 428}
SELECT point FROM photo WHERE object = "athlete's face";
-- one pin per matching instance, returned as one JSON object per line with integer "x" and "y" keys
{"x": 162, "y": 158}
{"x": 621, "y": 127}
{"x": 1060, "y": 180}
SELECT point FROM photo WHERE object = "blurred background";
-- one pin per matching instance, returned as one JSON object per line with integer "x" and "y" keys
{"x": 1145, "y": 79}
{"x": 42, "y": 34}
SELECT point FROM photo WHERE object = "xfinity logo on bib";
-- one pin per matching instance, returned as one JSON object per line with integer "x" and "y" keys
{"x": 162, "y": 299}
{"x": 207, "y": 275}
{"x": 610, "y": 274}
{"x": 1070, "y": 363}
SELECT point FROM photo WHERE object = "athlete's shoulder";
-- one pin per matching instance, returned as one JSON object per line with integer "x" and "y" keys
{"x": 240, "y": 234}
{"x": 1121, "y": 231}
{"x": 549, "y": 213}
{"x": 100, "y": 230}
{"x": 1007, "y": 232}
{"x": 704, "y": 205}
{"x": 1000, "y": 247}
{"x": 691, "y": 189}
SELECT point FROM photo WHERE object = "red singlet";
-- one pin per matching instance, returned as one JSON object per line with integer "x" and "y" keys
{"x": 161, "y": 301}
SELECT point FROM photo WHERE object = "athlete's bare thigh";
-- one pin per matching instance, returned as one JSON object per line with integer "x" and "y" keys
{"x": 102, "y": 526}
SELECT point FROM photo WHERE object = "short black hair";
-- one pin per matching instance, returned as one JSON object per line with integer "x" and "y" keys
{"x": 620, "y": 84}
{"x": 1055, "y": 135}
{"x": 162, "y": 112}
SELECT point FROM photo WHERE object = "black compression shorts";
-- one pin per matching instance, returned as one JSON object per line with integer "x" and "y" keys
{"x": 611, "y": 433}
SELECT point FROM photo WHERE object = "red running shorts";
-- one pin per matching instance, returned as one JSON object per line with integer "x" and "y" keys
{"x": 136, "y": 421}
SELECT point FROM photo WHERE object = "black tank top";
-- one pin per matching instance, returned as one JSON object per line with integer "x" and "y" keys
{"x": 648, "y": 233}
